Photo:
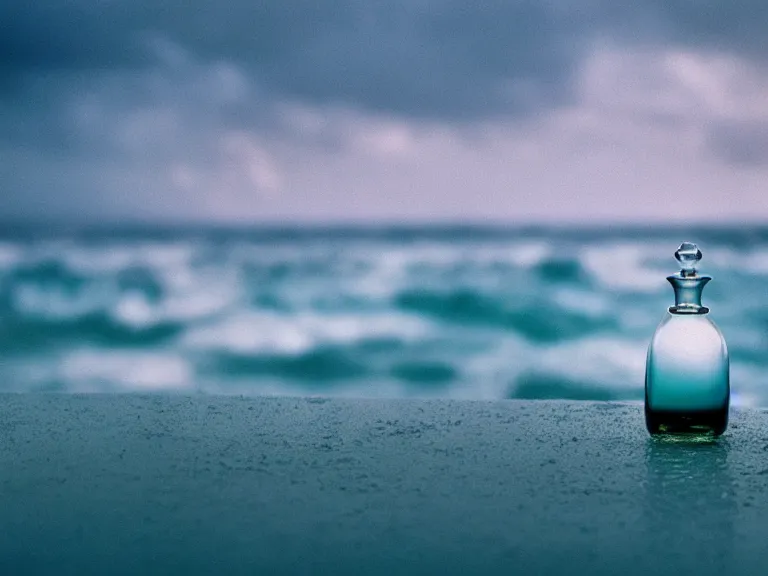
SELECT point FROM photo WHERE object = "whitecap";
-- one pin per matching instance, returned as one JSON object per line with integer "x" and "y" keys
{"x": 296, "y": 333}
{"x": 111, "y": 258}
{"x": 619, "y": 364}
{"x": 608, "y": 362}
{"x": 488, "y": 374}
{"x": 386, "y": 275}
{"x": 529, "y": 254}
{"x": 167, "y": 255}
{"x": 95, "y": 370}
{"x": 621, "y": 266}
{"x": 134, "y": 310}
{"x": 199, "y": 304}
{"x": 249, "y": 333}
{"x": 98, "y": 260}
{"x": 752, "y": 261}
{"x": 582, "y": 301}
{"x": 523, "y": 254}
{"x": 393, "y": 268}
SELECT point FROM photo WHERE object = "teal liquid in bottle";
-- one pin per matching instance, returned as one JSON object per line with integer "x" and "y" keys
{"x": 687, "y": 384}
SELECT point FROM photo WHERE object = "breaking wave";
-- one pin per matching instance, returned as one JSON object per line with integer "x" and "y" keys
{"x": 464, "y": 313}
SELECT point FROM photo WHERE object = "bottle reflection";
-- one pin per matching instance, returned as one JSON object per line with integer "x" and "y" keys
{"x": 690, "y": 506}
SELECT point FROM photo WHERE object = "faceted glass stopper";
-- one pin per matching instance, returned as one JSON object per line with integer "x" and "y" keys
{"x": 688, "y": 256}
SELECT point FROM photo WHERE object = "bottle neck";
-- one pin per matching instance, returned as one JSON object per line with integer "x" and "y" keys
{"x": 688, "y": 294}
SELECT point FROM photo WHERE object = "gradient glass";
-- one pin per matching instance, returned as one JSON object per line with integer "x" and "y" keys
{"x": 687, "y": 384}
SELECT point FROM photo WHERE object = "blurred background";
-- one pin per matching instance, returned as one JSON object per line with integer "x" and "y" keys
{"x": 395, "y": 199}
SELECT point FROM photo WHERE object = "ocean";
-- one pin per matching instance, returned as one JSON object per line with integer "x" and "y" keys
{"x": 452, "y": 312}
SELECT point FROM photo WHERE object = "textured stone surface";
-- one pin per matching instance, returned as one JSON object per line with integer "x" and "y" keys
{"x": 147, "y": 484}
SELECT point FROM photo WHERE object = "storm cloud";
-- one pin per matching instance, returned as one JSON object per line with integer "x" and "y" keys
{"x": 423, "y": 58}
{"x": 280, "y": 109}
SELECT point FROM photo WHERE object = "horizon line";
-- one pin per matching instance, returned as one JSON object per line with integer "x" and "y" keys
{"x": 134, "y": 224}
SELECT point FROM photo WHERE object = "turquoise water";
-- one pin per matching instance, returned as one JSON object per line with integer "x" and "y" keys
{"x": 460, "y": 312}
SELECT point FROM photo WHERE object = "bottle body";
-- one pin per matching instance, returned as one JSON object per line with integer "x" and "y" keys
{"x": 687, "y": 381}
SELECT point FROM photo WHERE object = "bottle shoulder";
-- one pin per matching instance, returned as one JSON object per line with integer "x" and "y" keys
{"x": 688, "y": 321}
{"x": 689, "y": 331}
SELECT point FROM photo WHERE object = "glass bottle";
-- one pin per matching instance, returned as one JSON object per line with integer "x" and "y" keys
{"x": 687, "y": 388}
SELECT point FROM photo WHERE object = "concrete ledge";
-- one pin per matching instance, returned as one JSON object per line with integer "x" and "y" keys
{"x": 131, "y": 484}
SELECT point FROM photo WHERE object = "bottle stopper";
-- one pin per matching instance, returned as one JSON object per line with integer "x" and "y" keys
{"x": 688, "y": 256}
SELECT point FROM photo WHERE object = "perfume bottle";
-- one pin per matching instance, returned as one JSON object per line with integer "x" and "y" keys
{"x": 687, "y": 387}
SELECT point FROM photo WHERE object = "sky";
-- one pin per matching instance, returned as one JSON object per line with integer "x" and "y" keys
{"x": 403, "y": 110}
